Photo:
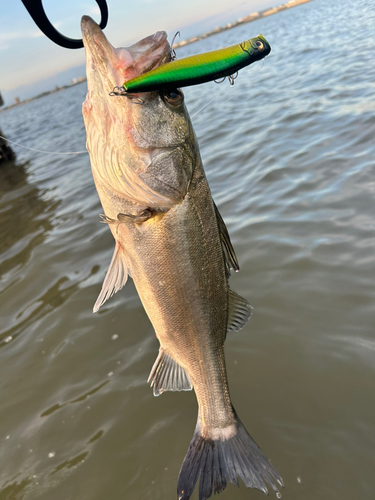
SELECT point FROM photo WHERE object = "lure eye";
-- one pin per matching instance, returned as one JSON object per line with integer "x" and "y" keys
{"x": 259, "y": 44}
{"x": 174, "y": 97}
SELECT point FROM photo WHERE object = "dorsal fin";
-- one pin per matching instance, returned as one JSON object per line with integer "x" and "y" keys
{"x": 115, "y": 278}
{"x": 230, "y": 258}
{"x": 239, "y": 311}
{"x": 168, "y": 375}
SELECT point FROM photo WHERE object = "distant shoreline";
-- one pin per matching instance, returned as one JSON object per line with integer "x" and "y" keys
{"x": 219, "y": 29}
{"x": 43, "y": 94}
{"x": 243, "y": 20}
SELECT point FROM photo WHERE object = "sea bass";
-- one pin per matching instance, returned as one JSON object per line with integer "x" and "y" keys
{"x": 171, "y": 239}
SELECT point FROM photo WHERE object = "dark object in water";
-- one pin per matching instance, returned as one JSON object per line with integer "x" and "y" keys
{"x": 6, "y": 152}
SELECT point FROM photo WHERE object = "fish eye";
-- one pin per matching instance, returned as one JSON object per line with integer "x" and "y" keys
{"x": 173, "y": 96}
{"x": 259, "y": 44}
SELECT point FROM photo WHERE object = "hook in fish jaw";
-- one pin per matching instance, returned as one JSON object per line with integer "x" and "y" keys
{"x": 108, "y": 220}
{"x": 173, "y": 54}
{"x": 127, "y": 218}
{"x": 120, "y": 91}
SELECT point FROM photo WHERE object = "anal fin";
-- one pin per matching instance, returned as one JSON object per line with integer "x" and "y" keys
{"x": 115, "y": 278}
{"x": 168, "y": 375}
{"x": 239, "y": 311}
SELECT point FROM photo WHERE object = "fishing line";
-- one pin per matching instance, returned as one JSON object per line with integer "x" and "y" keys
{"x": 209, "y": 102}
{"x": 41, "y": 151}
{"x": 85, "y": 152}
{"x": 82, "y": 152}
{"x": 219, "y": 94}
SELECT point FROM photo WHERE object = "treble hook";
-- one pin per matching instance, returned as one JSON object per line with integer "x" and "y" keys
{"x": 36, "y": 11}
{"x": 173, "y": 55}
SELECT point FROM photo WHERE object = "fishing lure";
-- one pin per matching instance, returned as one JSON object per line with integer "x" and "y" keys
{"x": 197, "y": 69}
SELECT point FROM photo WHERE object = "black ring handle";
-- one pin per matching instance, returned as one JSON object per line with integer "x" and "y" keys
{"x": 36, "y": 11}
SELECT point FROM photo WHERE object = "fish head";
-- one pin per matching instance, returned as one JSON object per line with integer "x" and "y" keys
{"x": 141, "y": 148}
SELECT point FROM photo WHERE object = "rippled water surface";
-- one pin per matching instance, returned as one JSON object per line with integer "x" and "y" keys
{"x": 289, "y": 154}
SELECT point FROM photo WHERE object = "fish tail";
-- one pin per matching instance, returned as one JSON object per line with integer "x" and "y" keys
{"x": 220, "y": 454}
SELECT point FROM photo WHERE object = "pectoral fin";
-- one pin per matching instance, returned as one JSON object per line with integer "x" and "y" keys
{"x": 239, "y": 311}
{"x": 168, "y": 375}
{"x": 115, "y": 278}
{"x": 230, "y": 258}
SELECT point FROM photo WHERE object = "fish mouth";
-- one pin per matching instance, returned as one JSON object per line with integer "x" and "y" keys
{"x": 115, "y": 66}
{"x": 136, "y": 151}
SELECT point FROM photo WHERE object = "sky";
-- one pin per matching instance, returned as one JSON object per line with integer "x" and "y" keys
{"x": 30, "y": 63}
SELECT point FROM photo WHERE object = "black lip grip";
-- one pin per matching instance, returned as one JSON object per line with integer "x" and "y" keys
{"x": 36, "y": 11}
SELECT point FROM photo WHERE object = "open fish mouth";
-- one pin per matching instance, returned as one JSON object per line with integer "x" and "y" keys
{"x": 141, "y": 152}
{"x": 116, "y": 65}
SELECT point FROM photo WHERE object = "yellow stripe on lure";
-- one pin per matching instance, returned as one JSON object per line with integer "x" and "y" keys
{"x": 200, "y": 68}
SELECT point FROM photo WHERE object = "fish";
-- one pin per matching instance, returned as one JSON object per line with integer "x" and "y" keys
{"x": 171, "y": 239}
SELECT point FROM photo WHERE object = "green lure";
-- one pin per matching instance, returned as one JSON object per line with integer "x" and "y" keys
{"x": 200, "y": 68}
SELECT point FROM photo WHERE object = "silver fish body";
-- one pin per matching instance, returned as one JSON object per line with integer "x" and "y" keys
{"x": 171, "y": 240}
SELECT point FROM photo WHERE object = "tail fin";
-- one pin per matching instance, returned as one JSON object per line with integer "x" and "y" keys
{"x": 227, "y": 453}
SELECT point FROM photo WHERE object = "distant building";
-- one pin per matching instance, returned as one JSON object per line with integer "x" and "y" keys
{"x": 243, "y": 20}
{"x": 270, "y": 11}
{"x": 77, "y": 80}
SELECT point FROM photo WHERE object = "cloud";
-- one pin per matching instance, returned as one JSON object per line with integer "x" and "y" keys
{"x": 19, "y": 35}
{"x": 39, "y": 33}
{"x": 12, "y": 35}
{"x": 36, "y": 34}
{"x": 5, "y": 38}
{"x": 94, "y": 10}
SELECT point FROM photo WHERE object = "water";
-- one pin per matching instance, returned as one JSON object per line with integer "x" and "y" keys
{"x": 289, "y": 153}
